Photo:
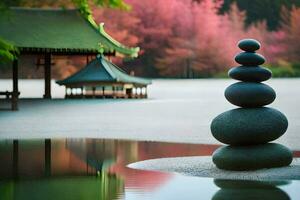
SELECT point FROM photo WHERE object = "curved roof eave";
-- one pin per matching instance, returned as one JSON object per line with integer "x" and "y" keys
{"x": 111, "y": 43}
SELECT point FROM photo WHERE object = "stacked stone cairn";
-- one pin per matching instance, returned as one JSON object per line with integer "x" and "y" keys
{"x": 249, "y": 129}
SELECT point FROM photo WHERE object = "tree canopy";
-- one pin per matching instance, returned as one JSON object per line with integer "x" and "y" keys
{"x": 259, "y": 10}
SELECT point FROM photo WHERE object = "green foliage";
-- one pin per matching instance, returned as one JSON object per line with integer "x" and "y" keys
{"x": 8, "y": 3}
{"x": 291, "y": 70}
{"x": 113, "y": 4}
{"x": 221, "y": 75}
{"x": 296, "y": 66}
{"x": 282, "y": 72}
{"x": 83, "y": 6}
{"x": 7, "y": 51}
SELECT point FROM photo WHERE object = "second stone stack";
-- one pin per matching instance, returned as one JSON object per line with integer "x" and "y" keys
{"x": 248, "y": 129}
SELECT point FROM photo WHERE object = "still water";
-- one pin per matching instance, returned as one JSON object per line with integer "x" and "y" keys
{"x": 96, "y": 169}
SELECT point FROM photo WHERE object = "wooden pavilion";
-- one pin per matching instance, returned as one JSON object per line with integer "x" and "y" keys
{"x": 101, "y": 78}
{"x": 54, "y": 32}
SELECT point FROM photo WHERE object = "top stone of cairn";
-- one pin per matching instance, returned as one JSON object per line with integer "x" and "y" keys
{"x": 249, "y": 45}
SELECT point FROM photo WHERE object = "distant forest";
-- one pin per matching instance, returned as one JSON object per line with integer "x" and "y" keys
{"x": 258, "y": 10}
{"x": 188, "y": 38}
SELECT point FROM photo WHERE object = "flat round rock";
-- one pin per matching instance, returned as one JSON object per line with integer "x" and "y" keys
{"x": 250, "y": 94}
{"x": 249, "y": 59}
{"x": 249, "y": 45}
{"x": 203, "y": 166}
{"x": 246, "y": 126}
{"x": 252, "y": 157}
{"x": 250, "y": 74}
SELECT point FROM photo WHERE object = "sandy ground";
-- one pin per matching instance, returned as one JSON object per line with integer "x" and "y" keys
{"x": 176, "y": 111}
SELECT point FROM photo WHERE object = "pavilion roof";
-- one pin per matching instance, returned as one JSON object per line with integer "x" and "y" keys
{"x": 57, "y": 30}
{"x": 101, "y": 70}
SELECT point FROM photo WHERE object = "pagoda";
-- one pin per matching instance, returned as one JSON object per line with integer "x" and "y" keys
{"x": 102, "y": 79}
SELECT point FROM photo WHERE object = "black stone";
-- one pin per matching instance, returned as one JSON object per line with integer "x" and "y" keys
{"x": 246, "y": 126}
{"x": 241, "y": 158}
{"x": 250, "y": 94}
{"x": 249, "y": 59}
{"x": 249, "y": 45}
{"x": 250, "y": 74}
{"x": 248, "y": 184}
{"x": 249, "y": 190}
{"x": 251, "y": 194}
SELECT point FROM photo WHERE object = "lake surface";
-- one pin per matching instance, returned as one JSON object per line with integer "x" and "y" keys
{"x": 79, "y": 168}
{"x": 176, "y": 111}
{"x": 61, "y": 169}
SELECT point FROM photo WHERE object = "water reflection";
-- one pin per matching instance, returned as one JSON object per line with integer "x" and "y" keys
{"x": 52, "y": 170}
{"x": 42, "y": 158}
{"x": 33, "y": 169}
{"x": 249, "y": 190}
{"x": 96, "y": 169}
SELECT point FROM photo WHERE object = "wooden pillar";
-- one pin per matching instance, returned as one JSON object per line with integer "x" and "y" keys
{"x": 81, "y": 89}
{"x": 94, "y": 92}
{"x": 71, "y": 92}
{"x": 47, "y": 157}
{"x": 146, "y": 92}
{"x": 87, "y": 59}
{"x": 141, "y": 92}
{"x": 130, "y": 93}
{"x": 103, "y": 92}
{"x": 15, "y": 94}
{"x": 47, "y": 75}
{"x": 114, "y": 92}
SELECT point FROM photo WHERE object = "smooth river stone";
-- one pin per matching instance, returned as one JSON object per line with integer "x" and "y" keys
{"x": 250, "y": 74}
{"x": 251, "y": 194}
{"x": 252, "y": 157}
{"x": 249, "y": 45}
{"x": 250, "y": 94}
{"x": 248, "y": 184}
{"x": 249, "y": 59}
{"x": 247, "y": 126}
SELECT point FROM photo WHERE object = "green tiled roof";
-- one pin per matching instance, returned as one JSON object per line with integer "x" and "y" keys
{"x": 101, "y": 70}
{"x": 57, "y": 29}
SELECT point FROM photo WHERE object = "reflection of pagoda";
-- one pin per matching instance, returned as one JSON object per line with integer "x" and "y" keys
{"x": 96, "y": 163}
{"x": 60, "y": 162}
{"x": 49, "y": 169}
